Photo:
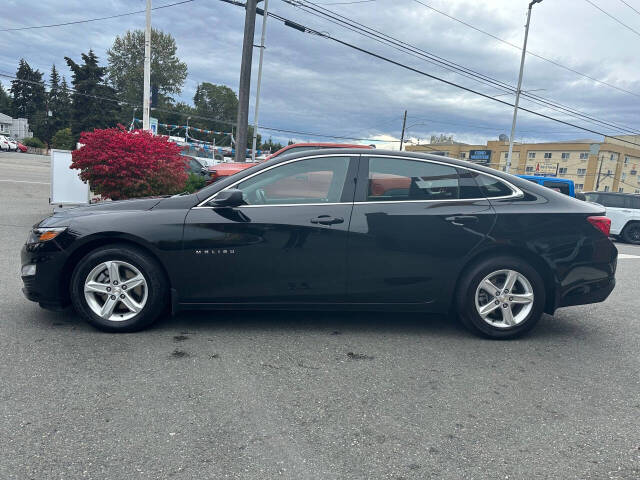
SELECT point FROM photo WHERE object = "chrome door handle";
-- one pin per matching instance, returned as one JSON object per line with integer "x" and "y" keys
{"x": 327, "y": 220}
{"x": 461, "y": 220}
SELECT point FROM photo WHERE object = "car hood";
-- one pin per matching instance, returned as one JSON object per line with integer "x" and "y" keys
{"x": 61, "y": 217}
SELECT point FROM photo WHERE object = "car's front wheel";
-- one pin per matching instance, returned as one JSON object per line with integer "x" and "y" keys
{"x": 118, "y": 288}
{"x": 501, "y": 297}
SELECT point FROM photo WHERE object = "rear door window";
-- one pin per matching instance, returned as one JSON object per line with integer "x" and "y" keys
{"x": 394, "y": 179}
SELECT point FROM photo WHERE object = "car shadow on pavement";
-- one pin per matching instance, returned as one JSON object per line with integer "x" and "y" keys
{"x": 314, "y": 322}
{"x": 336, "y": 323}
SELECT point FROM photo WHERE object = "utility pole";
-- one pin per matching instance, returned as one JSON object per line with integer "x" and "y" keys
{"x": 245, "y": 81}
{"x": 599, "y": 172}
{"x": 518, "y": 90}
{"x": 255, "y": 115}
{"x": 186, "y": 130}
{"x": 147, "y": 71}
{"x": 404, "y": 123}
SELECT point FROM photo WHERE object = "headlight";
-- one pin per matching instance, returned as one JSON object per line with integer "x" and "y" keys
{"x": 39, "y": 235}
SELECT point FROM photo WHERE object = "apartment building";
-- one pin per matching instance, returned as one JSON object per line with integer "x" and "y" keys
{"x": 611, "y": 165}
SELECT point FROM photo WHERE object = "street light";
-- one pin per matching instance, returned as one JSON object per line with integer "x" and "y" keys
{"x": 515, "y": 107}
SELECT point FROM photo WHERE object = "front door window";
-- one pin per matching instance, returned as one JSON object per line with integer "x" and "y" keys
{"x": 315, "y": 180}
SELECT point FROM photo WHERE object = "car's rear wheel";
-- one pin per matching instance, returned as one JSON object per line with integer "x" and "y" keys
{"x": 631, "y": 233}
{"x": 501, "y": 297}
{"x": 118, "y": 288}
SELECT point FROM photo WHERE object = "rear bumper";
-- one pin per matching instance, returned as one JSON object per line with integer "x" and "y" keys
{"x": 591, "y": 281}
{"x": 592, "y": 292}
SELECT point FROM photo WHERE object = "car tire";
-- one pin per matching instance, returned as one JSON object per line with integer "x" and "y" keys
{"x": 506, "y": 315}
{"x": 631, "y": 233}
{"x": 119, "y": 288}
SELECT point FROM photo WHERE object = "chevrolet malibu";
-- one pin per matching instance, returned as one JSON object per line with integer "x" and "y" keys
{"x": 330, "y": 229}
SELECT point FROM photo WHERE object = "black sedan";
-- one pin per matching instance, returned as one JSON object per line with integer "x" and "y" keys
{"x": 331, "y": 229}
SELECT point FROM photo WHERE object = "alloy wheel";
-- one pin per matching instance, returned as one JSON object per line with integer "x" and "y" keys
{"x": 115, "y": 290}
{"x": 504, "y": 298}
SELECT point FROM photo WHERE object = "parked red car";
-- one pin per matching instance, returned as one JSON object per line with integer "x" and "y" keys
{"x": 222, "y": 170}
{"x": 21, "y": 147}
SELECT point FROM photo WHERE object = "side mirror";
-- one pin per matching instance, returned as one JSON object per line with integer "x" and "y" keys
{"x": 581, "y": 196}
{"x": 228, "y": 198}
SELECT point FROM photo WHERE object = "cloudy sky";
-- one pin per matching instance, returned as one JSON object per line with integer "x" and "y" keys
{"x": 312, "y": 84}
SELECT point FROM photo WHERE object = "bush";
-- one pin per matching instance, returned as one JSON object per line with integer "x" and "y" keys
{"x": 63, "y": 139}
{"x": 33, "y": 142}
{"x": 119, "y": 164}
{"x": 194, "y": 183}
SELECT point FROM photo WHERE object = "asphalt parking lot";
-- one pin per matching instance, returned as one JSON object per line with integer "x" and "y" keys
{"x": 309, "y": 395}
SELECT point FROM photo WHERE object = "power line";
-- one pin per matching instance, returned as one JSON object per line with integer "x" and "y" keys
{"x": 311, "y": 31}
{"x": 93, "y": 19}
{"x": 529, "y": 52}
{"x": 417, "y": 52}
{"x": 489, "y": 128}
{"x": 632, "y": 8}
{"x": 613, "y": 18}
{"x": 348, "y": 3}
{"x": 202, "y": 117}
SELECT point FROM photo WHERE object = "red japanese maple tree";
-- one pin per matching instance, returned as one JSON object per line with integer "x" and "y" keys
{"x": 119, "y": 164}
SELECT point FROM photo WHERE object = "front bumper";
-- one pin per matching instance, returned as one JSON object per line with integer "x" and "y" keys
{"x": 48, "y": 286}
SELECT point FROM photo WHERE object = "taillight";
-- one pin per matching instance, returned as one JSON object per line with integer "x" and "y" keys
{"x": 601, "y": 223}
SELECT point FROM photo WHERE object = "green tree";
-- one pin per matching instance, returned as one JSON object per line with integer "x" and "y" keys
{"x": 126, "y": 66}
{"x": 59, "y": 104}
{"x": 271, "y": 146}
{"x": 217, "y": 102}
{"x": 92, "y": 106}
{"x": 63, "y": 139}
{"x": 5, "y": 101}
{"x": 27, "y": 91}
{"x": 65, "y": 101}
{"x": 29, "y": 98}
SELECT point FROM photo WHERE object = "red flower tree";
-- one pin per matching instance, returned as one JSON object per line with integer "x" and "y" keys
{"x": 119, "y": 164}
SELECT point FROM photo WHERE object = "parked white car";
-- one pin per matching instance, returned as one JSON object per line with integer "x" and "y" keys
{"x": 624, "y": 211}
{"x": 8, "y": 144}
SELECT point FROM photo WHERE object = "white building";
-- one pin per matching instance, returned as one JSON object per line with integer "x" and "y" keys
{"x": 17, "y": 128}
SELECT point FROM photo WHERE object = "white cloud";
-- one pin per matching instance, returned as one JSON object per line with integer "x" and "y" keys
{"x": 313, "y": 84}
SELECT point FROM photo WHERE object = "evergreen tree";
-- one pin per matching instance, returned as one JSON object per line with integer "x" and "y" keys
{"x": 29, "y": 97}
{"x": 58, "y": 104}
{"x": 5, "y": 101}
{"x": 65, "y": 102}
{"x": 92, "y": 104}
